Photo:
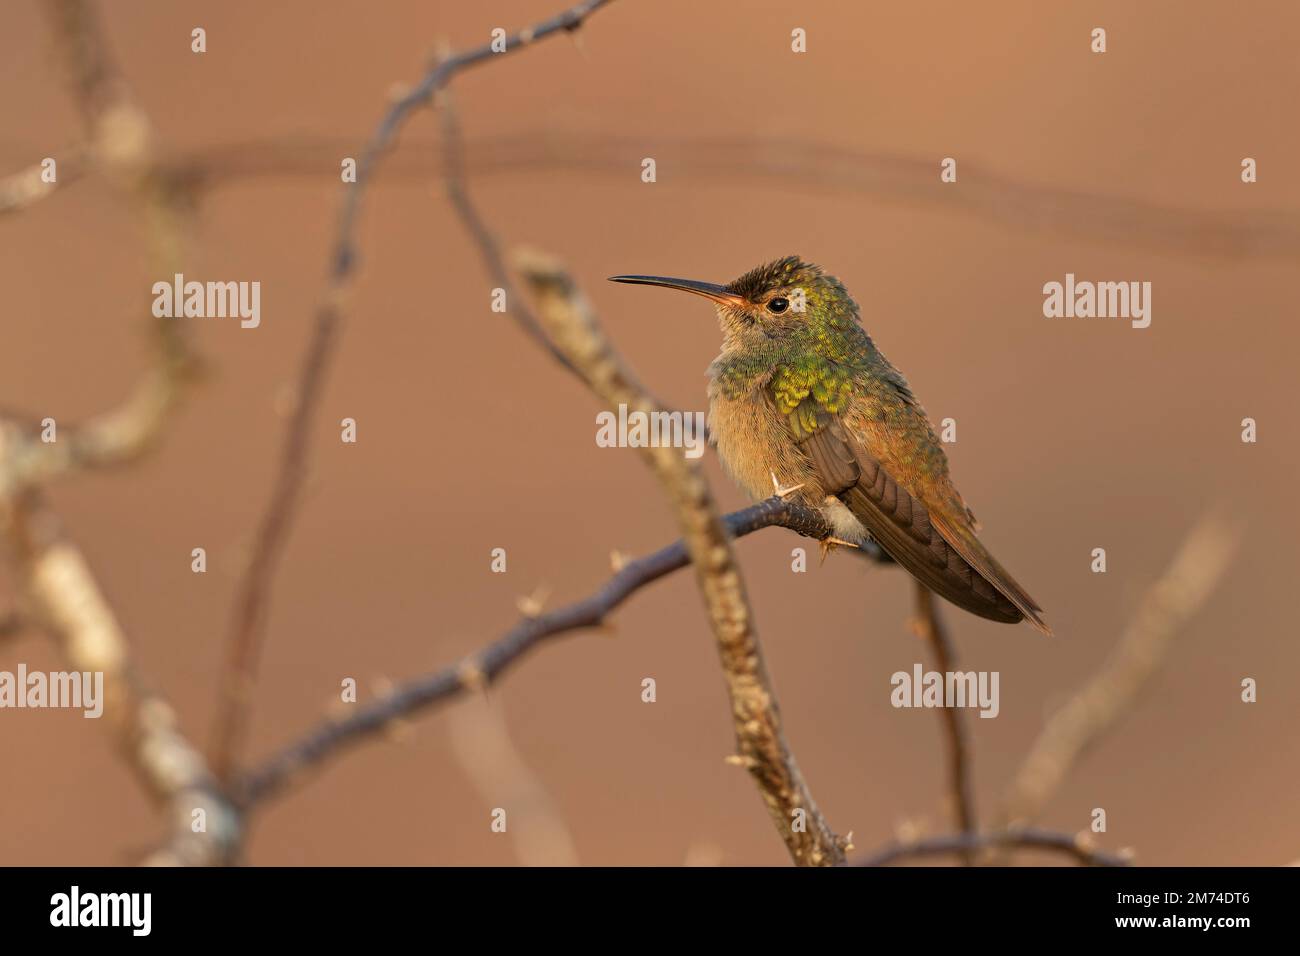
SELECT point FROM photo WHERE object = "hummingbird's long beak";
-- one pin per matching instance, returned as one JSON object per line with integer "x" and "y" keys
{"x": 718, "y": 293}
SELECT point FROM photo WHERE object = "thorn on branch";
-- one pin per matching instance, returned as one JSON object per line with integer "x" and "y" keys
{"x": 471, "y": 676}
{"x": 532, "y": 605}
{"x": 331, "y": 736}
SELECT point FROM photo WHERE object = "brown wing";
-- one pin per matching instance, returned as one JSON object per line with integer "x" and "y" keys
{"x": 948, "y": 560}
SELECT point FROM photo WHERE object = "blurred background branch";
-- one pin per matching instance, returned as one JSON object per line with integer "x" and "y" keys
{"x": 931, "y": 628}
{"x": 778, "y": 162}
{"x": 1205, "y": 554}
{"x": 1079, "y": 846}
{"x": 59, "y": 586}
{"x": 28, "y": 186}
{"x": 480, "y": 739}
{"x": 71, "y": 607}
{"x": 61, "y": 596}
{"x": 247, "y": 630}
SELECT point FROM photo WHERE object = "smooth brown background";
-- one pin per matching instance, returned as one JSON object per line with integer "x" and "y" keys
{"x": 1073, "y": 434}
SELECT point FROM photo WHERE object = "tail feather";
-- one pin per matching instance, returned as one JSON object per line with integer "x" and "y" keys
{"x": 977, "y": 556}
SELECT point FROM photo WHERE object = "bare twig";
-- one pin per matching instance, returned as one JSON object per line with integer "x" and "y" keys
{"x": 488, "y": 665}
{"x": 96, "y": 85}
{"x": 483, "y": 238}
{"x": 962, "y": 794}
{"x": 60, "y": 589}
{"x": 117, "y": 135}
{"x": 760, "y": 737}
{"x": 480, "y": 739}
{"x": 244, "y": 642}
{"x": 802, "y": 164}
{"x": 489, "y": 251}
{"x": 116, "y": 437}
{"x": 1205, "y": 555}
{"x": 27, "y": 186}
{"x": 1078, "y": 846}
{"x": 253, "y": 593}
{"x": 67, "y": 600}
{"x": 120, "y": 142}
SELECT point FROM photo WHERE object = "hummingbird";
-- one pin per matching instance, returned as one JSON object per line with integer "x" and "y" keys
{"x": 801, "y": 400}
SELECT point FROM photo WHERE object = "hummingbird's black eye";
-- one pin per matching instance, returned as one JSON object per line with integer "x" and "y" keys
{"x": 778, "y": 305}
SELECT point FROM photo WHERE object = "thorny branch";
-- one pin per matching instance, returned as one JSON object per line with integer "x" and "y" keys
{"x": 248, "y": 623}
{"x": 576, "y": 340}
{"x": 763, "y": 751}
{"x": 760, "y": 736}
{"x": 487, "y": 666}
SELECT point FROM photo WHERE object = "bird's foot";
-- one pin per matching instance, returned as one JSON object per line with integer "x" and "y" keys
{"x": 830, "y": 543}
{"x": 783, "y": 492}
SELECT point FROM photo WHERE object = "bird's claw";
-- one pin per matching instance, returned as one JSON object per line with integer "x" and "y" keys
{"x": 830, "y": 542}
